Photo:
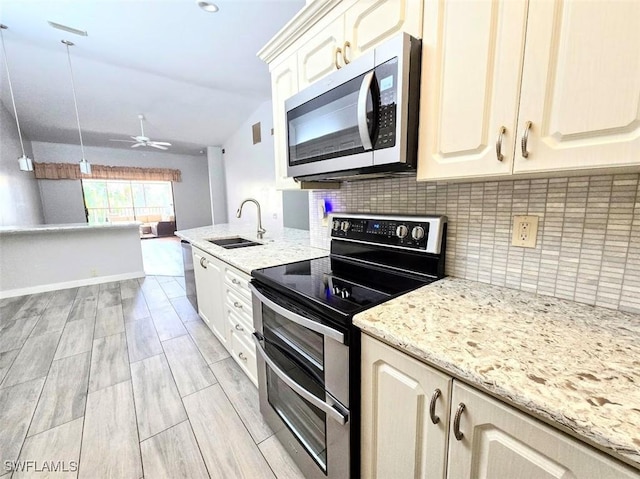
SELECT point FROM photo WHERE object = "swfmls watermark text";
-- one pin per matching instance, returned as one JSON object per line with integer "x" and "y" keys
{"x": 41, "y": 466}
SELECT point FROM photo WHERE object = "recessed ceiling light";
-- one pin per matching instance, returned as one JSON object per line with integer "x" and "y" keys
{"x": 207, "y": 7}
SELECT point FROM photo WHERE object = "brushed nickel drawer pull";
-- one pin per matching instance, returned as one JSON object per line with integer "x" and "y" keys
{"x": 242, "y": 356}
{"x": 237, "y": 305}
{"x": 499, "y": 154}
{"x": 344, "y": 52}
{"x": 235, "y": 281}
{"x": 239, "y": 328}
{"x": 525, "y": 139}
{"x": 202, "y": 262}
{"x": 335, "y": 58}
{"x": 432, "y": 406}
{"x": 456, "y": 422}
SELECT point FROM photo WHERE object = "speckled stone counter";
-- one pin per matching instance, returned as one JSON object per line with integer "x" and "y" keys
{"x": 566, "y": 363}
{"x": 49, "y": 228}
{"x": 282, "y": 246}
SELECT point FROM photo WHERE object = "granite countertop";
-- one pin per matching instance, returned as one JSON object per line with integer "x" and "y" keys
{"x": 567, "y": 363}
{"x": 49, "y": 228}
{"x": 282, "y": 246}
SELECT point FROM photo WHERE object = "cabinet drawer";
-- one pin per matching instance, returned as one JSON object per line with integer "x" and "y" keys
{"x": 238, "y": 322}
{"x": 237, "y": 281}
{"x": 244, "y": 353}
{"x": 239, "y": 304}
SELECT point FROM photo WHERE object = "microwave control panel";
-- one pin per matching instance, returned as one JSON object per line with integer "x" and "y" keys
{"x": 386, "y": 76}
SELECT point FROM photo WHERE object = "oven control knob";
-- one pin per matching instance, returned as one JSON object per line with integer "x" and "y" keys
{"x": 335, "y": 225}
{"x": 344, "y": 226}
{"x": 402, "y": 231}
{"x": 417, "y": 233}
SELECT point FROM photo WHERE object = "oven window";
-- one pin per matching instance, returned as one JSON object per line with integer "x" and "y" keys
{"x": 298, "y": 343}
{"x": 304, "y": 420}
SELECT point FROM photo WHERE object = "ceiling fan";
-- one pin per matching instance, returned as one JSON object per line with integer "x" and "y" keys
{"x": 145, "y": 140}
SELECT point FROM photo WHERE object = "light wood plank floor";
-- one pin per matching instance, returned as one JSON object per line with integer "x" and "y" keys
{"x": 123, "y": 380}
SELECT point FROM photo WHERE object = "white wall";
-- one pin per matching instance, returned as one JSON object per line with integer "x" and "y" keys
{"x": 217, "y": 186}
{"x": 250, "y": 172}
{"x": 191, "y": 195}
{"x": 20, "y": 202}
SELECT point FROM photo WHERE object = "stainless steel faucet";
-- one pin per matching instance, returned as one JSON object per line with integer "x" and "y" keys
{"x": 261, "y": 230}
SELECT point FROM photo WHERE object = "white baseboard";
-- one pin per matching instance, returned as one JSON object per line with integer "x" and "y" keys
{"x": 43, "y": 288}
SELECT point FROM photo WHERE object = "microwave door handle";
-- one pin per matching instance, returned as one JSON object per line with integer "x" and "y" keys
{"x": 363, "y": 128}
{"x": 296, "y": 318}
{"x": 328, "y": 407}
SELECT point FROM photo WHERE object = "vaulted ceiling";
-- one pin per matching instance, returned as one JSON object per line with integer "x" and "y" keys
{"x": 194, "y": 75}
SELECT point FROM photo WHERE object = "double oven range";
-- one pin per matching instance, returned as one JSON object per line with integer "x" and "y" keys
{"x": 308, "y": 350}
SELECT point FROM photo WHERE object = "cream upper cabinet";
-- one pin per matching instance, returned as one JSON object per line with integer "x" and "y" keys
{"x": 284, "y": 83}
{"x": 368, "y": 23}
{"x": 471, "y": 63}
{"x": 581, "y": 86}
{"x": 320, "y": 50}
{"x": 528, "y": 87}
{"x": 399, "y": 437}
{"x": 498, "y": 441}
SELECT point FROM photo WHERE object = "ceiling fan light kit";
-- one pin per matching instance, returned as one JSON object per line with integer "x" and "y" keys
{"x": 85, "y": 167}
{"x": 24, "y": 162}
{"x": 207, "y": 6}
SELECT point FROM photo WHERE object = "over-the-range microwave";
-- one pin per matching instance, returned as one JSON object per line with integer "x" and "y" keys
{"x": 360, "y": 121}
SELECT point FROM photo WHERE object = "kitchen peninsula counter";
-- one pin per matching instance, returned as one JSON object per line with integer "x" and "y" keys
{"x": 47, "y": 257}
{"x": 569, "y": 364}
{"x": 285, "y": 245}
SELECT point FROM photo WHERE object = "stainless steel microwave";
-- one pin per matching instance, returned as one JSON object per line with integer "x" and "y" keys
{"x": 361, "y": 121}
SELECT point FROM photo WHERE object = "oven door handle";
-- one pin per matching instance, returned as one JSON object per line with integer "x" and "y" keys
{"x": 296, "y": 318}
{"x": 328, "y": 407}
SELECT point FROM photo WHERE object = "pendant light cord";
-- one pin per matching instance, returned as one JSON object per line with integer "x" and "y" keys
{"x": 75, "y": 101}
{"x": 13, "y": 101}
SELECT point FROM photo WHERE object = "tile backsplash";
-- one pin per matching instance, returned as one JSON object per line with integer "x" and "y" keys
{"x": 588, "y": 246}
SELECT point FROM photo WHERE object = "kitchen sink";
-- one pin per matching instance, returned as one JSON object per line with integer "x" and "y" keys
{"x": 233, "y": 243}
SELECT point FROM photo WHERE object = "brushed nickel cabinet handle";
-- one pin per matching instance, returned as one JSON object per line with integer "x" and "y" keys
{"x": 499, "y": 154}
{"x": 235, "y": 281}
{"x": 239, "y": 328}
{"x": 237, "y": 305}
{"x": 525, "y": 139}
{"x": 335, "y": 58}
{"x": 456, "y": 422}
{"x": 202, "y": 262}
{"x": 344, "y": 52}
{"x": 242, "y": 356}
{"x": 432, "y": 406}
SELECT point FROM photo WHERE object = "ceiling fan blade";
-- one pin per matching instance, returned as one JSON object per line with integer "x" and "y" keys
{"x": 137, "y": 145}
{"x": 163, "y": 143}
{"x": 124, "y": 141}
{"x": 159, "y": 147}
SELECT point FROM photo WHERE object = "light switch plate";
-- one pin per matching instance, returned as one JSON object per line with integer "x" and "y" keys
{"x": 525, "y": 231}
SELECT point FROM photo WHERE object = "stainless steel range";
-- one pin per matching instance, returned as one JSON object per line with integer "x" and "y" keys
{"x": 308, "y": 349}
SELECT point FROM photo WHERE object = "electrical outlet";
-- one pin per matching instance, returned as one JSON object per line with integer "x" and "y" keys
{"x": 525, "y": 231}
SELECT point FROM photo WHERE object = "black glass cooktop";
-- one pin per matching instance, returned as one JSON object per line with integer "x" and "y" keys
{"x": 331, "y": 285}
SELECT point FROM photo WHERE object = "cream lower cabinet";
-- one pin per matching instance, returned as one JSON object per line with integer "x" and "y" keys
{"x": 495, "y": 441}
{"x": 520, "y": 87}
{"x": 399, "y": 437}
{"x": 209, "y": 280}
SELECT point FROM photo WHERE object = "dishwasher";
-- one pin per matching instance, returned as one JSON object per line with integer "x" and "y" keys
{"x": 189, "y": 274}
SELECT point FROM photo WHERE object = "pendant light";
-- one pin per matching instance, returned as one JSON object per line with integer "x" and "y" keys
{"x": 25, "y": 163}
{"x": 85, "y": 167}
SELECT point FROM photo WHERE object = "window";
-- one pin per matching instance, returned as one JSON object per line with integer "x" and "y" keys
{"x": 121, "y": 200}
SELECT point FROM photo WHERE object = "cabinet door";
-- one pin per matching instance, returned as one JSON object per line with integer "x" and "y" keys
{"x": 471, "y": 64}
{"x": 209, "y": 282}
{"x": 368, "y": 23}
{"x": 399, "y": 440}
{"x": 205, "y": 300}
{"x": 499, "y": 441}
{"x": 581, "y": 85}
{"x": 318, "y": 54}
{"x": 284, "y": 83}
